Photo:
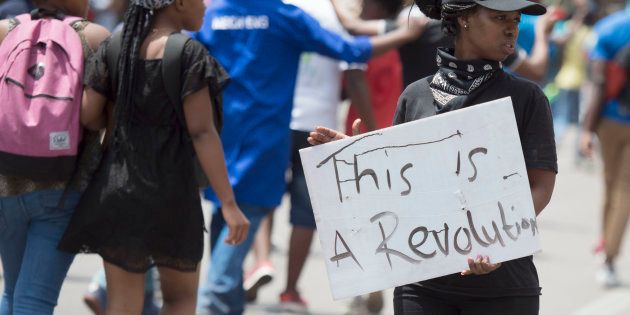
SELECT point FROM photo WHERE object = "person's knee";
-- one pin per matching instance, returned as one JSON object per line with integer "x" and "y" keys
{"x": 183, "y": 296}
{"x": 180, "y": 299}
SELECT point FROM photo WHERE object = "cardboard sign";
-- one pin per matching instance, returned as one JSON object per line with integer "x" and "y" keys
{"x": 414, "y": 201}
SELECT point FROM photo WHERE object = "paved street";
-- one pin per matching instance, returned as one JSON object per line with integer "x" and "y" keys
{"x": 569, "y": 227}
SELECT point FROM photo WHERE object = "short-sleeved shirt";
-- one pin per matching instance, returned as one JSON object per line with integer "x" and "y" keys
{"x": 260, "y": 43}
{"x": 318, "y": 86}
{"x": 533, "y": 118}
{"x": 613, "y": 33}
{"x": 127, "y": 213}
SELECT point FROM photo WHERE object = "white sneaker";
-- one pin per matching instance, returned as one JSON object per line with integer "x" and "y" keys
{"x": 608, "y": 277}
{"x": 259, "y": 276}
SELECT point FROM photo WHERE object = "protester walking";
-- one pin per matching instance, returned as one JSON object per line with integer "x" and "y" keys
{"x": 142, "y": 208}
{"x": 608, "y": 115}
{"x": 316, "y": 103}
{"x": 40, "y": 183}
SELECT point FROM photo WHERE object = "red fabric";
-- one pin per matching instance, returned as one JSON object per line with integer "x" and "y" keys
{"x": 384, "y": 77}
{"x": 616, "y": 78}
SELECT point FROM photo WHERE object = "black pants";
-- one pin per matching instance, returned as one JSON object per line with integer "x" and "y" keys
{"x": 420, "y": 302}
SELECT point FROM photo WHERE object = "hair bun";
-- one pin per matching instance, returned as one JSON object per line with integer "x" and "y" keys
{"x": 430, "y": 8}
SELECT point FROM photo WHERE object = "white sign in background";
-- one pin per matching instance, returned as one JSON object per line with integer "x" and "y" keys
{"x": 413, "y": 201}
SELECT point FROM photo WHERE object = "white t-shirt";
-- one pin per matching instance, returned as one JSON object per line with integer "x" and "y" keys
{"x": 318, "y": 86}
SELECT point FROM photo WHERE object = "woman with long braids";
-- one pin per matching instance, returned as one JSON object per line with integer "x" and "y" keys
{"x": 485, "y": 34}
{"x": 142, "y": 208}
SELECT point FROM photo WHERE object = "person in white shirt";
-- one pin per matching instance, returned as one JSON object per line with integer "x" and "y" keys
{"x": 316, "y": 101}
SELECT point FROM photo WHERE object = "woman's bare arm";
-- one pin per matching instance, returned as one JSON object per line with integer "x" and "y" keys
{"x": 207, "y": 144}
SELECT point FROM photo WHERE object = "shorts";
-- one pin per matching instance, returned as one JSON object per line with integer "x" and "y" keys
{"x": 301, "y": 209}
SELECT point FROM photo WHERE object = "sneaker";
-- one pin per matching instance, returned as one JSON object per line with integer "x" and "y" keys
{"x": 292, "y": 302}
{"x": 608, "y": 277}
{"x": 259, "y": 276}
{"x": 95, "y": 298}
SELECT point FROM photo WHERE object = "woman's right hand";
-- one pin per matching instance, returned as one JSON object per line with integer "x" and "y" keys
{"x": 586, "y": 143}
{"x": 238, "y": 224}
{"x": 323, "y": 135}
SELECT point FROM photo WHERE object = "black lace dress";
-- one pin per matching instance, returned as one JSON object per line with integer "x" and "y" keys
{"x": 142, "y": 207}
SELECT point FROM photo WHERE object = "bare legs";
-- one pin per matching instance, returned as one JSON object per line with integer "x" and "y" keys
{"x": 125, "y": 291}
{"x": 179, "y": 291}
{"x": 299, "y": 248}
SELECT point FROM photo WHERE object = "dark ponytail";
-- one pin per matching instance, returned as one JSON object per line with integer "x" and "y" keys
{"x": 137, "y": 26}
{"x": 448, "y": 13}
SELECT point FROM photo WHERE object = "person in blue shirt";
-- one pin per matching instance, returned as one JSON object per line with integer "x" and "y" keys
{"x": 611, "y": 122}
{"x": 259, "y": 43}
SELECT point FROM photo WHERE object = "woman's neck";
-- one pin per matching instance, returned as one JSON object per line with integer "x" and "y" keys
{"x": 164, "y": 24}
{"x": 464, "y": 51}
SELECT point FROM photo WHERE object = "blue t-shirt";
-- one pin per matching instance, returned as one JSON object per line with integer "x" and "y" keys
{"x": 613, "y": 33}
{"x": 259, "y": 43}
{"x": 11, "y": 8}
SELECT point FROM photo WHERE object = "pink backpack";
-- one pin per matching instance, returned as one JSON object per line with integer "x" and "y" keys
{"x": 41, "y": 86}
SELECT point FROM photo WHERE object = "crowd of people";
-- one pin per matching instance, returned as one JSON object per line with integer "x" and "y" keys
{"x": 129, "y": 123}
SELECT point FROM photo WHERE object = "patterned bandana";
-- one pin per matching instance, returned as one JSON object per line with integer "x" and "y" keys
{"x": 456, "y": 79}
{"x": 152, "y": 4}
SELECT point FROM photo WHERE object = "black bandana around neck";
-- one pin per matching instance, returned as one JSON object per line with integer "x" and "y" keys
{"x": 456, "y": 79}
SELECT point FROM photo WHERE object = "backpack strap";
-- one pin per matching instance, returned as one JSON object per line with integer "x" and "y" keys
{"x": 172, "y": 72}
{"x": 172, "y": 78}
{"x": 13, "y": 22}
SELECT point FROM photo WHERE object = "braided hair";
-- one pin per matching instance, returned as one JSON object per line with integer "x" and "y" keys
{"x": 137, "y": 26}
{"x": 447, "y": 12}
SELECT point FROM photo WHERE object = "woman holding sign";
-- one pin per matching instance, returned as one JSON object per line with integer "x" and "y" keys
{"x": 485, "y": 33}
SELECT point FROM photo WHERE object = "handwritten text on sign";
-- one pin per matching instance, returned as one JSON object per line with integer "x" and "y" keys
{"x": 412, "y": 202}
